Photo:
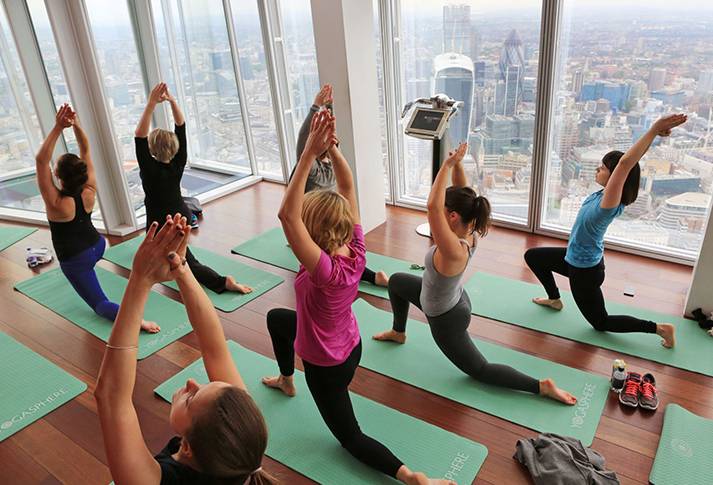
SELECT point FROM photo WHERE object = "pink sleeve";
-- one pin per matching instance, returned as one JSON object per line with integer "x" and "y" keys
{"x": 357, "y": 242}
{"x": 322, "y": 273}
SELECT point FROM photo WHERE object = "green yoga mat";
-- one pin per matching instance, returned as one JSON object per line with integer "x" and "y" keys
{"x": 9, "y": 235}
{"x": 228, "y": 301}
{"x": 685, "y": 452}
{"x": 52, "y": 290}
{"x": 300, "y": 439}
{"x": 271, "y": 247}
{"x": 32, "y": 386}
{"x": 509, "y": 301}
{"x": 420, "y": 362}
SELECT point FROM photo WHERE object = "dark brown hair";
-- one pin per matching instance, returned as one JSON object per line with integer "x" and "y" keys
{"x": 471, "y": 207}
{"x": 72, "y": 171}
{"x": 631, "y": 185}
{"x": 228, "y": 440}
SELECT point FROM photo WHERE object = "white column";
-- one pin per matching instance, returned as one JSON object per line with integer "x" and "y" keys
{"x": 72, "y": 33}
{"x": 700, "y": 294}
{"x": 344, "y": 36}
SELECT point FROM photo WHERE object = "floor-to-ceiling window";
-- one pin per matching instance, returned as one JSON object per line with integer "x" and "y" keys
{"x": 614, "y": 79}
{"x": 20, "y": 134}
{"x": 485, "y": 55}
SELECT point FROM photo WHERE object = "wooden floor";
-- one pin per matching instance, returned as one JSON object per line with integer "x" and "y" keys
{"x": 66, "y": 446}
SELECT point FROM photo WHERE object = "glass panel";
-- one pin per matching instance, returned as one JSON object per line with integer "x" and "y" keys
{"x": 253, "y": 69}
{"x": 20, "y": 134}
{"x": 124, "y": 87}
{"x": 614, "y": 80}
{"x": 301, "y": 59}
{"x": 485, "y": 55}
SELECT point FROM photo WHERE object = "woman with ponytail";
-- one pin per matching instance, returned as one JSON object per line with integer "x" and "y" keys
{"x": 582, "y": 261}
{"x": 457, "y": 217}
{"x": 77, "y": 243}
{"x": 220, "y": 434}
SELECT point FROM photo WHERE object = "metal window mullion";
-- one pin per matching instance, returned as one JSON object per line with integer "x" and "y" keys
{"x": 399, "y": 163}
{"x": 391, "y": 101}
{"x": 172, "y": 52}
{"x": 266, "y": 29}
{"x": 546, "y": 85}
{"x": 228, "y": 13}
{"x": 142, "y": 24}
{"x": 194, "y": 101}
{"x": 14, "y": 82}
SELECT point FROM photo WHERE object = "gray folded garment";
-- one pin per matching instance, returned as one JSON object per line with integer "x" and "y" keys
{"x": 560, "y": 460}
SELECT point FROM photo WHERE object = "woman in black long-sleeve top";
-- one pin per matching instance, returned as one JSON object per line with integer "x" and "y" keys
{"x": 162, "y": 156}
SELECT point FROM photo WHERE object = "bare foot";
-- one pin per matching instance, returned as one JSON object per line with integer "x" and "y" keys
{"x": 549, "y": 389}
{"x": 391, "y": 336}
{"x": 283, "y": 383}
{"x": 668, "y": 333}
{"x": 150, "y": 327}
{"x": 382, "y": 279}
{"x": 554, "y": 304}
{"x": 232, "y": 285}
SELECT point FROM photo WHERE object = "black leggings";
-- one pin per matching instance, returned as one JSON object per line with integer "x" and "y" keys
{"x": 369, "y": 276}
{"x": 329, "y": 387}
{"x": 204, "y": 274}
{"x": 450, "y": 332}
{"x": 586, "y": 289}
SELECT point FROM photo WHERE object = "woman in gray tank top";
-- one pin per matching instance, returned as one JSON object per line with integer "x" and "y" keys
{"x": 457, "y": 216}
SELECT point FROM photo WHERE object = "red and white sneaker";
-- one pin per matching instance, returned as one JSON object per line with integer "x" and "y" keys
{"x": 648, "y": 398}
{"x": 629, "y": 395}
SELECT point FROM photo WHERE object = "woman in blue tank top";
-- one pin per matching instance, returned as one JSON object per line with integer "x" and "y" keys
{"x": 456, "y": 215}
{"x": 582, "y": 261}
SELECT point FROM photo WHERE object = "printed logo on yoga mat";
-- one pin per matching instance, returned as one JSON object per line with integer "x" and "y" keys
{"x": 32, "y": 409}
{"x": 583, "y": 404}
{"x": 456, "y": 466}
{"x": 681, "y": 447}
{"x": 161, "y": 337}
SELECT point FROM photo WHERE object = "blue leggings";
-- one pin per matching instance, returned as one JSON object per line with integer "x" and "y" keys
{"x": 79, "y": 270}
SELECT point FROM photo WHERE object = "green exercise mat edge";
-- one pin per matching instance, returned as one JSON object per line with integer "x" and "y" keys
{"x": 419, "y": 362}
{"x": 32, "y": 386}
{"x": 228, "y": 301}
{"x": 300, "y": 440}
{"x": 685, "y": 452}
{"x": 271, "y": 247}
{"x": 52, "y": 290}
{"x": 509, "y": 301}
{"x": 10, "y": 235}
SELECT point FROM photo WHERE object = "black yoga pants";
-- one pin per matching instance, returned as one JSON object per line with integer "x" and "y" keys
{"x": 329, "y": 389}
{"x": 585, "y": 284}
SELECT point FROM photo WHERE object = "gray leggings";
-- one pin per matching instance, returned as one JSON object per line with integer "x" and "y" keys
{"x": 450, "y": 332}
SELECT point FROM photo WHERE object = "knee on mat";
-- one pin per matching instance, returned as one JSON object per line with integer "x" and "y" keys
{"x": 599, "y": 325}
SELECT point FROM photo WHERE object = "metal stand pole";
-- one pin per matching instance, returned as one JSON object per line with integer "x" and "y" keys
{"x": 424, "y": 229}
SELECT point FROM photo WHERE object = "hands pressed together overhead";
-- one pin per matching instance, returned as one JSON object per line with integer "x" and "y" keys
{"x": 322, "y": 134}
{"x": 66, "y": 116}
{"x": 665, "y": 124}
{"x": 324, "y": 96}
{"x": 162, "y": 254}
{"x": 457, "y": 155}
{"x": 160, "y": 93}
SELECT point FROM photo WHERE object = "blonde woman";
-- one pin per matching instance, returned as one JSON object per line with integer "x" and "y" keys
{"x": 324, "y": 231}
{"x": 162, "y": 156}
{"x": 221, "y": 435}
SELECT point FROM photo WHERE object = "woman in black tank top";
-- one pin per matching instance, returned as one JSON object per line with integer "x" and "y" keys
{"x": 75, "y": 239}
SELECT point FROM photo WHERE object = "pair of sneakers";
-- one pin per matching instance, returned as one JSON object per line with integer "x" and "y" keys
{"x": 639, "y": 391}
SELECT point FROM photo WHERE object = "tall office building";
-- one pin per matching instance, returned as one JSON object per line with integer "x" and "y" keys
{"x": 577, "y": 81}
{"x": 512, "y": 70}
{"x": 705, "y": 82}
{"x": 454, "y": 77}
{"x": 657, "y": 78}
{"x": 456, "y": 29}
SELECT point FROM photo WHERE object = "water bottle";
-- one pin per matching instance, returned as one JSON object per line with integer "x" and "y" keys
{"x": 618, "y": 375}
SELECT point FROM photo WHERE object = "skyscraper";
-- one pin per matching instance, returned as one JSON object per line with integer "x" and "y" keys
{"x": 454, "y": 77}
{"x": 705, "y": 82}
{"x": 577, "y": 81}
{"x": 512, "y": 70}
{"x": 456, "y": 29}
{"x": 657, "y": 78}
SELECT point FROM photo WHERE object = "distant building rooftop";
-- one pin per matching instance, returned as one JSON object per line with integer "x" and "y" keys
{"x": 690, "y": 199}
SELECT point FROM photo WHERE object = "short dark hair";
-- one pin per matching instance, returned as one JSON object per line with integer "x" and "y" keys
{"x": 470, "y": 206}
{"x": 72, "y": 171}
{"x": 631, "y": 186}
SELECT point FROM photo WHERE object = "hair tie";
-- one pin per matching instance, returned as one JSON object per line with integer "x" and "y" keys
{"x": 257, "y": 470}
